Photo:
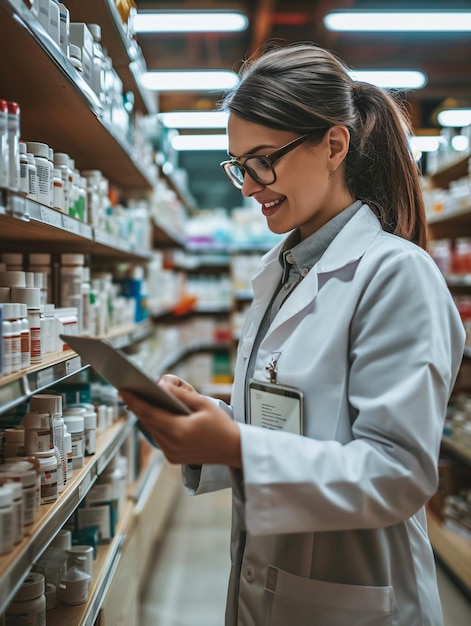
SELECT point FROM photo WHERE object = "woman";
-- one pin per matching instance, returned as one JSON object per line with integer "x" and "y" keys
{"x": 329, "y": 477}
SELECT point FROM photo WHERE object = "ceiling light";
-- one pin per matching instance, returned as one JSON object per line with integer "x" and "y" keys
{"x": 394, "y": 79}
{"x": 399, "y": 21}
{"x": 454, "y": 118}
{"x": 190, "y": 81}
{"x": 200, "y": 142}
{"x": 194, "y": 119}
{"x": 425, "y": 143}
{"x": 189, "y": 22}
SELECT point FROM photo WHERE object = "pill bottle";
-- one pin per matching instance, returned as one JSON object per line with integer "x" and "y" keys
{"x": 31, "y": 296}
{"x": 13, "y": 261}
{"x": 48, "y": 472}
{"x": 63, "y": 539}
{"x": 4, "y": 152}
{"x": 75, "y": 426}
{"x": 14, "y": 444}
{"x": 7, "y": 526}
{"x": 28, "y": 607}
{"x": 68, "y": 453}
{"x": 11, "y": 313}
{"x": 14, "y": 144}
{"x": 75, "y": 56}
{"x": 41, "y": 158}
{"x": 25, "y": 339}
{"x": 24, "y": 473}
{"x": 64, "y": 29}
{"x": 71, "y": 280}
{"x": 74, "y": 587}
{"x": 57, "y": 190}
{"x": 52, "y": 403}
{"x": 51, "y": 596}
{"x": 18, "y": 523}
{"x": 32, "y": 177}
{"x": 87, "y": 411}
{"x": 61, "y": 162}
{"x": 7, "y": 340}
{"x": 12, "y": 278}
{"x": 24, "y": 183}
{"x": 38, "y": 432}
{"x": 41, "y": 262}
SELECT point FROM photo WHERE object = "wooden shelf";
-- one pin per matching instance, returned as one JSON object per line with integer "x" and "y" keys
{"x": 51, "y": 517}
{"x": 64, "y": 111}
{"x": 125, "y": 53}
{"x": 454, "y": 551}
{"x": 451, "y": 171}
{"x": 449, "y": 224}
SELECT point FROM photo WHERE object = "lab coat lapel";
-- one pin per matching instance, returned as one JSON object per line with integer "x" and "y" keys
{"x": 349, "y": 245}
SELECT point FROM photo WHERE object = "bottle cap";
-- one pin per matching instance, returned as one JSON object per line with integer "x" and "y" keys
{"x": 33, "y": 586}
{"x": 31, "y": 296}
{"x": 12, "y": 278}
{"x": 48, "y": 402}
{"x": 38, "y": 149}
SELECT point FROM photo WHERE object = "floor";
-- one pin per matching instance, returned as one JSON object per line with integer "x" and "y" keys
{"x": 188, "y": 585}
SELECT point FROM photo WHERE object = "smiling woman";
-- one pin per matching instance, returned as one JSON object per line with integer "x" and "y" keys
{"x": 328, "y": 518}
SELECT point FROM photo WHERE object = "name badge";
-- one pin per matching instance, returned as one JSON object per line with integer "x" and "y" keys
{"x": 277, "y": 407}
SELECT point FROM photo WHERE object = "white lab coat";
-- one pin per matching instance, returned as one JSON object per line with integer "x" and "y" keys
{"x": 329, "y": 528}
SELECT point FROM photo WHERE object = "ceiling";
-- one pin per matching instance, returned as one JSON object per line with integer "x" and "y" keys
{"x": 445, "y": 58}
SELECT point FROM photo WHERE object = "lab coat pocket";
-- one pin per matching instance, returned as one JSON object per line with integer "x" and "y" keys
{"x": 306, "y": 602}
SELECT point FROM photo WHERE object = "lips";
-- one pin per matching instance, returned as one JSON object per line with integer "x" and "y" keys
{"x": 271, "y": 206}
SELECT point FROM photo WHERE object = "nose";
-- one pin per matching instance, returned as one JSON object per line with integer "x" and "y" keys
{"x": 250, "y": 186}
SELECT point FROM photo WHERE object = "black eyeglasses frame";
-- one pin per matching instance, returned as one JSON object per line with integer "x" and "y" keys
{"x": 271, "y": 158}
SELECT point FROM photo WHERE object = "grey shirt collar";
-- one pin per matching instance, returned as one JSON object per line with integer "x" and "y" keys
{"x": 305, "y": 254}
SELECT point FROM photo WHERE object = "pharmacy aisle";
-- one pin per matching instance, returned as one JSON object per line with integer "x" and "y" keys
{"x": 187, "y": 586}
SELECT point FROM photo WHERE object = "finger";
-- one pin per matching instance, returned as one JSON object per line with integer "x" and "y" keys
{"x": 189, "y": 396}
{"x": 175, "y": 381}
{"x": 142, "y": 408}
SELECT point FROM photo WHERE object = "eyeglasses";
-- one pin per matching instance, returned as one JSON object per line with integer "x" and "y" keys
{"x": 259, "y": 167}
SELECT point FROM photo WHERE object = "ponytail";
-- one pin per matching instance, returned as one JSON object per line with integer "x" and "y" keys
{"x": 379, "y": 168}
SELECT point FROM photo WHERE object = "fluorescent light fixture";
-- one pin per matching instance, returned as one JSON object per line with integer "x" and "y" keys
{"x": 454, "y": 118}
{"x": 200, "y": 142}
{"x": 460, "y": 143}
{"x": 399, "y": 21}
{"x": 425, "y": 143}
{"x": 194, "y": 119}
{"x": 212, "y": 80}
{"x": 189, "y": 22}
{"x": 394, "y": 79}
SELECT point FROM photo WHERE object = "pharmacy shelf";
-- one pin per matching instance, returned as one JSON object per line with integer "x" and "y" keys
{"x": 64, "y": 113}
{"x": 49, "y": 230}
{"x": 452, "y": 550}
{"x": 51, "y": 517}
{"x": 450, "y": 223}
{"x": 457, "y": 449}
{"x": 108, "y": 555}
{"x": 451, "y": 171}
{"x": 18, "y": 387}
{"x": 125, "y": 53}
{"x": 165, "y": 236}
{"x": 194, "y": 348}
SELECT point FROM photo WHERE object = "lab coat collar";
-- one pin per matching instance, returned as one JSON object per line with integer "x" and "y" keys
{"x": 349, "y": 245}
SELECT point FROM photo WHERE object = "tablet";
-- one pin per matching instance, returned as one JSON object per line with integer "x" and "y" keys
{"x": 117, "y": 369}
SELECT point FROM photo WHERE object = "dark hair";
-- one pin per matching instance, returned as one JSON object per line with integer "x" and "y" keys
{"x": 302, "y": 87}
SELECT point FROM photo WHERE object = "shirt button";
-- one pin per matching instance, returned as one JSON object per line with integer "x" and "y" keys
{"x": 304, "y": 271}
{"x": 249, "y": 573}
{"x": 290, "y": 258}
{"x": 286, "y": 286}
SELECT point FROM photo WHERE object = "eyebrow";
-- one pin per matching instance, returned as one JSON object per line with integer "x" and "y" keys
{"x": 250, "y": 152}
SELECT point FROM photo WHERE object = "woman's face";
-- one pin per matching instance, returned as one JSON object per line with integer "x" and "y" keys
{"x": 309, "y": 188}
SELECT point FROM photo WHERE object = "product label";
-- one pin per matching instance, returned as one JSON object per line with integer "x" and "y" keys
{"x": 35, "y": 344}
{"x": 49, "y": 485}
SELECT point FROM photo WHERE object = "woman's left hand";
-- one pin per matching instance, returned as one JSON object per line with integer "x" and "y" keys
{"x": 207, "y": 435}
